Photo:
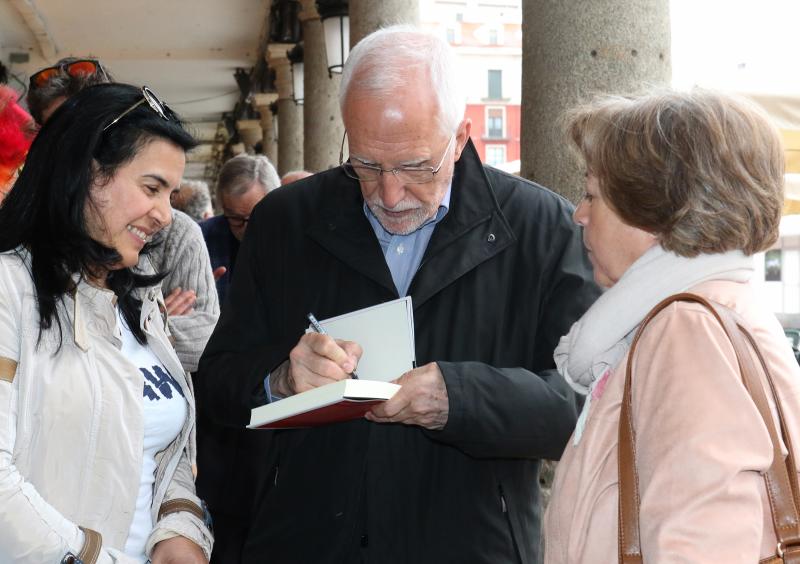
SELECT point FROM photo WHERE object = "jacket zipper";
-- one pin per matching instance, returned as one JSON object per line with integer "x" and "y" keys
{"x": 504, "y": 507}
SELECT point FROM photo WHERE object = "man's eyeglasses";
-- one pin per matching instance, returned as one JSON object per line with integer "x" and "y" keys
{"x": 75, "y": 69}
{"x": 152, "y": 100}
{"x": 405, "y": 174}
{"x": 237, "y": 220}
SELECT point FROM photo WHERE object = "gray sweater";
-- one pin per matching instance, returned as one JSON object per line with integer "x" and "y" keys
{"x": 183, "y": 255}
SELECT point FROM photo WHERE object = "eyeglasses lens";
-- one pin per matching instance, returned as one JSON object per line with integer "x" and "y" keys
{"x": 406, "y": 176}
{"x": 75, "y": 69}
{"x": 40, "y": 78}
{"x": 81, "y": 68}
{"x": 157, "y": 105}
{"x": 236, "y": 221}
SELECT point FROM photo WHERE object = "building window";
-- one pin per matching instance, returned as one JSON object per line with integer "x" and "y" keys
{"x": 495, "y": 154}
{"x": 495, "y": 123}
{"x": 493, "y": 37}
{"x": 495, "y": 84}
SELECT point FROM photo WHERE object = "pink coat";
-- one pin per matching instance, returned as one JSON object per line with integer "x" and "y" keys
{"x": 701, "y": 445}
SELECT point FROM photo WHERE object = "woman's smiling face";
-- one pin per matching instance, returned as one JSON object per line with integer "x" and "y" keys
{"x": 125, "y": 212}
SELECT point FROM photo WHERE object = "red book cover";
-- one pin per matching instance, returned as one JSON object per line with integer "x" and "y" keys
{"x": 333, "y": 403}
{"x": 345, "y": 410}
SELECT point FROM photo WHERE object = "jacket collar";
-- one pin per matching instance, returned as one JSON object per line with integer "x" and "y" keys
{"x": 92, "y": 301}
{"x": 473, "y": 231}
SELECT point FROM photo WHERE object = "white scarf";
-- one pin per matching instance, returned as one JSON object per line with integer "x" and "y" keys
{"x": 598, "y": 340}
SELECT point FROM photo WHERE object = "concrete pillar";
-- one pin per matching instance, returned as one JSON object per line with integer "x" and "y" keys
{"x": 572, "y": 50}
{"x": 323, "y": 122}
{"x": 269, "y": 140}
{"x": 290, "y": 115}
{"x": 367, "y": 16}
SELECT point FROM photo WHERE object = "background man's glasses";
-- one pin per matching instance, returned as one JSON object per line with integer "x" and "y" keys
{"x": 75, "y": 69}
{"x": 237, "y": 220}
{"x": 153, "y": 101}
{"x": 405, "y": 174}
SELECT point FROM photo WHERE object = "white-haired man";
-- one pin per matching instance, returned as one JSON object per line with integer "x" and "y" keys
{"x": 445, "y": 471}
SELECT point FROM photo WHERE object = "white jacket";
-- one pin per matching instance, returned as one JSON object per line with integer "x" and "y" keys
{"x": 71, "y": 426}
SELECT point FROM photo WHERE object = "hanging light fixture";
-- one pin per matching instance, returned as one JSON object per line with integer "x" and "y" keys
{"x": 295, "y": 56}
{"x": 336, "y": 28}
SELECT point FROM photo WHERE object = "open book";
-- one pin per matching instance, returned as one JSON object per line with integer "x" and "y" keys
{"x": 386, "y": 335}
{"x": 340, "y": 401}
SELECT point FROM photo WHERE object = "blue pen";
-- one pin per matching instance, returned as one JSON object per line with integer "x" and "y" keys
{"x": 321, "y": 330}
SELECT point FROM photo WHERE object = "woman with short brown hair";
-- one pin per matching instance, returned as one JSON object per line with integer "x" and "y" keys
{"x": 681, "y": 190}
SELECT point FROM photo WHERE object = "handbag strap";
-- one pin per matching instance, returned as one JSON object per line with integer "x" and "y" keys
{"x": 781, "y": 478}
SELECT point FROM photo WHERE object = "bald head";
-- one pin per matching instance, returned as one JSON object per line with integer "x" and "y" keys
{"x": 294, "y": 176}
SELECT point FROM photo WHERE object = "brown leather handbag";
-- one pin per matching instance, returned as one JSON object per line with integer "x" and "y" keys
{"x": 781, "y": 477}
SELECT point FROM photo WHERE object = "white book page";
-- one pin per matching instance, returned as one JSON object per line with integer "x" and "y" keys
{"x": 385, "y": 332}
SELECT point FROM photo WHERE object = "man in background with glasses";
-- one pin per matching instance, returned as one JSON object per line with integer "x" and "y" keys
{"x": 242, "y": 182}
{"x": 446, "y": 470}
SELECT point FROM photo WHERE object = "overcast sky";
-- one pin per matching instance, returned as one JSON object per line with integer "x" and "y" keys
{"x": 738, "y": 45}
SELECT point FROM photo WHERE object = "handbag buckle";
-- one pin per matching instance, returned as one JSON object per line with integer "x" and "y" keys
{"x": 780, "y": 551}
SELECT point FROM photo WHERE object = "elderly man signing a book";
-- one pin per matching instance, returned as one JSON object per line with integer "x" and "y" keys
{"x": 446, "y": 470}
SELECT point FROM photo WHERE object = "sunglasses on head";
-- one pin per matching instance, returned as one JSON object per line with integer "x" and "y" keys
{"x": 149, "y": 97}
{"x": 75, "y": 69}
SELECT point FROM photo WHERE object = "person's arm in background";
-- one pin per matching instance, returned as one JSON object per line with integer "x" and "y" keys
{"x": 190, "y": 271}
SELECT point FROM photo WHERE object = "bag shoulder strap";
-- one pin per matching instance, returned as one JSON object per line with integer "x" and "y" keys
{"x": 781, "y": 478}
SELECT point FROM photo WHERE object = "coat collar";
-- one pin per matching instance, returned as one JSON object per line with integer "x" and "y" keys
{"x": 473, "y": 231}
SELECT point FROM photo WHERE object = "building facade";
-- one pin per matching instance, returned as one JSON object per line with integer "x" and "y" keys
{"x": 487, "y": 37}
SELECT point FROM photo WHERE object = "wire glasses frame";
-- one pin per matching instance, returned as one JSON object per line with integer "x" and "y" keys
{"x": 236, "y": 220}
{"x": 405, "y": 174}
{"x": 75, "y": 69}
{"x": 153, "y": 101}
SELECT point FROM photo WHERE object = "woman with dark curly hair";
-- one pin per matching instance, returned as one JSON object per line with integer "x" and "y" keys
{"x": 96, "y": 413}
{"x": 681, "y": 190}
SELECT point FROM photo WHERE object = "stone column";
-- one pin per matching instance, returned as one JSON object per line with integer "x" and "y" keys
{"x": 269, "y": 141}
{"x": 290, "y": 115}
{"x": 367, "y": 16}
{"x": 249, "y": 132}
{"x": 572, "y": 50}
{"x": 321, "y": 116}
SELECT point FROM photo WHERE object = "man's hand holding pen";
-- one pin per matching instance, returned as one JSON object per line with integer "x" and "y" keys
{"x": 316, "y": 360}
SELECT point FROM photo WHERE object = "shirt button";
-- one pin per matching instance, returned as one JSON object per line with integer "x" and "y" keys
{"x": 400, "y": 249}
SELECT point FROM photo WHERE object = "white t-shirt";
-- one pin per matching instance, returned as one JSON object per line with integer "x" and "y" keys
{"x": 164, "y": 410}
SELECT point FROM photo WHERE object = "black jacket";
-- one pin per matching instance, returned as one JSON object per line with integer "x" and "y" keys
{"x": 503, "y": 277}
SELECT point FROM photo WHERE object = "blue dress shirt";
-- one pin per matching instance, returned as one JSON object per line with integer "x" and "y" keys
{"x": 403, "y": 253}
